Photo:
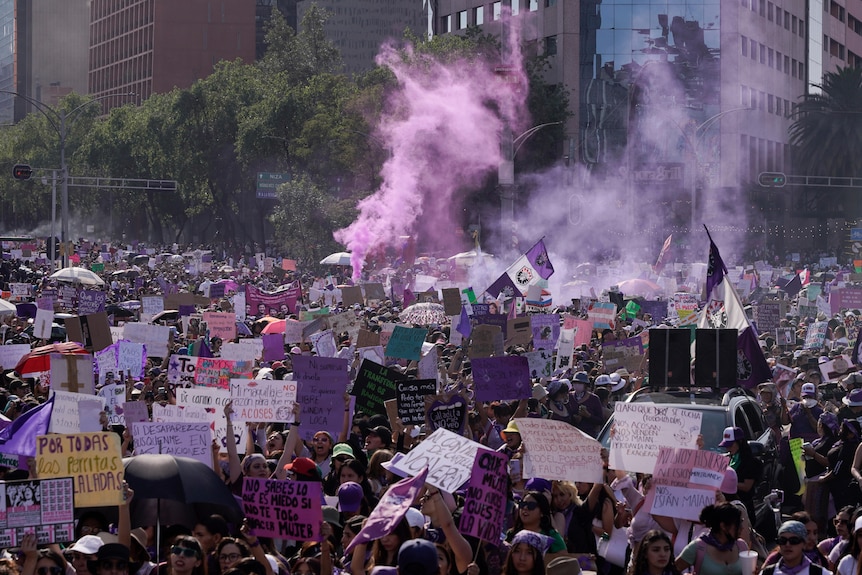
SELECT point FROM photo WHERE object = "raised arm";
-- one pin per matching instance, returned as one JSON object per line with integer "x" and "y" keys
{"x": 234, "y": 465}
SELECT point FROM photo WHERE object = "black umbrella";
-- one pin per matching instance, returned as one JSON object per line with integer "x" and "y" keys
{"x": 118, "y": 311}
{"x": 171, "y": 489}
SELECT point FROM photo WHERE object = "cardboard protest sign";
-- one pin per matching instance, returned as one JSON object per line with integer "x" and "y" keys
{"x": 373, "y": 385}
{"x": 75, "y": 412}
{"x": 175, "y": 438}
{"x": 324, "y": 343}
{"x": 106, "y": 363}
{"x": 352, "y": 295}
{"x": 90, "y": 301}
{"x": 181, "y": 370}
{"x": 221, "y": 324}
{"x": 627, "y": 353}
{"x": 565, "y": 349}
{"x": 11, "y": 354}
{"x": 545, "y": 329}
{"x": 410, "y": 399}
{"x": 684, "y": 482}
{"x": 451, "y": 301}
{"x": 602, "y": 315}
{"x": 518, "y": 331}
{"x": 641, "y": 429}
{"x": 836, "y": 368}
{"x": 374, "y": 291}
{"x": 135, "y": 411}
{"x": 367, "y": 338}
{"x": 114, "y": 395}
{"x": 44, "y": 507}
{"x": 131, "y": 358}
{"x": 150, "y": 306}
{"x": 244, "y": 352}
{"x": 501, "y": 378}
{"x": 263, "y": 400}
{"x": 541, "y": 363}
{"x": 157, "y": 338}
{"x": 283, "y": 509}
{"x": 485, "y": 502}
{"x": 93, "y": 460}
{"x": 556, "y": 450}
{"x": 214, "y": 372}
{"x": 322, "y": 383}
{"x": 42, "y": 324}
{"x": 406, "y": 343}
{"x": 447, "y": 411}
{"x": 768, "y": 315}
{"x": 448, "y": 457}
{"x": 785, "y": 336}
{"x": 72, "y": 372}
{"x": 482, "y": 340}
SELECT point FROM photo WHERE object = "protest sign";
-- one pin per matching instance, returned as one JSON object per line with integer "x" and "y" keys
{"x": 263, "y": 400}
{"x": 448, "y": 457}
{"x": 785, "y": 336}
{"x": 373, "y": 385}
{"x": 155, "y": 337}
{"x": 11, "y": 354}
{"x": 92, "y": 331}
{"x": 114, "y": 395}
{"x": 541, "y": 363}
{"x": 565, "y": 349}
{"x": 150, "y": 306}
{"x": 42, "y": 324}
{"x": 324, "y": 343}
{"x": 844, "y": 299}
{"x": 131, "y": 358}
{"x": 627, "y": 353}
{"x": 239, "y": 352}
{"x": 75, "y": 412}
{"x": 684, "y": 305}
{"x": 367, "y": 338}
{"x": 283, "y": 509}
{"x": 221, "y": 324}
{"x": 345, "y": 322}
{"x": 641, "y": 429}
{"x": 518, "y": 331}
{"x": 203, "y": 404}
{"x": 90, "y": 301}
{"x": 451, "y": 301}
{"x": 181, "y": 370}
{"x": 768, "y": 316}
{"x": 213, "y": 372}
{"x": 93, "y": 460}
{"x": 44, "y": 507}
{"x": 72, "y": 372}
{"x": 406, "y": 343}
{"x": 485, "y": 502}
{"x": 602, "y": 315}
{"x": 106, "y": 363}
{"x": 684, "y": 482}
{"x": 410, "y": 398}
{"x": 352, "y": 295}
{"x": 546, "y": 330}
{"x": 482, "y": 340}
{"x": 501, "y": 378}
{"x": 174, "y": 438}
{"x": 447, "y": 411}
{"x": 322, "y": 383}
{"x": 134, "y": 411}
{"x": 815, "y": 337}
{"x": 556, "y": 450}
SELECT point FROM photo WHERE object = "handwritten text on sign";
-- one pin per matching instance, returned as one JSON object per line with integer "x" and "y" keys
{"x": 685, "y": 481}
{"x": 556, "y": 450}
{"x": 449, "y": 459}
{"x": 641, "y": 429}
{"x": 263, "y": 400}
{"x": 485, "y": 503}
{"x": 93, "y": 460}
{"x": 283, "y": 509}
{"x": 322, "y": 382}
{"x": 175, "y": 438}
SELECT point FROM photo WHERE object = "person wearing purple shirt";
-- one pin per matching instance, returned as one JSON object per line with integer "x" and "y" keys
{"x": 589, "y": 416}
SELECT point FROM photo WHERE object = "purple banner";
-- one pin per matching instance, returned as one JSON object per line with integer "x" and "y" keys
{"x": 485, "y": 502}
{"x": 546, "y": 330}
{"x": 846, "y": 298}
{"x": 322, "y": 383}
{"x": 283, "y": 509}
{"x": 259, "y": 303}
{"x": 273, "y": 346}
{"x": 501, "y": 378}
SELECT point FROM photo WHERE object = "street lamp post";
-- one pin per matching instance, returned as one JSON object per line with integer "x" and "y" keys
{"x": 506, "y": 173}
{"x": 61, "y": 121}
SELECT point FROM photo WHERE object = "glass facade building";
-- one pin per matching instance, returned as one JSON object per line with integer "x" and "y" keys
{"x": 7, "y": 60}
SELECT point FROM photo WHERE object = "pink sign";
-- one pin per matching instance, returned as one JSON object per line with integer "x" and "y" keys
{"x": 211, "y": 372}
{"x": 283, "y": 509}
{"x": 485, "y": 503}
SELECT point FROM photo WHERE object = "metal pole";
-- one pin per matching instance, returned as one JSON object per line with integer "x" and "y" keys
{"x": 52, "y": 248}
{"x": 64, "y": 208}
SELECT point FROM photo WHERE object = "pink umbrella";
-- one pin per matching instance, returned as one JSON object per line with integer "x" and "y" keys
{"x": 639, "y": 286}
{"x": 277, "y": 326}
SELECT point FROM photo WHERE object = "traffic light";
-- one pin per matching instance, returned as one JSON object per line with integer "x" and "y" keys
{"x": 772, "y": 179}
{"x": 22, "y": 172}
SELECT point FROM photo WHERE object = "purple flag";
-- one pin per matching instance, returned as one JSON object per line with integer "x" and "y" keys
{"x": 465, "y": 328}
{"x": 752, "y": 369}
{"x": 504, "y": 285}
{"x": 716, "y": 270}
{"x": 391, "y": 509}
{"x": 20, "y": 437}
{"x": 793, "y": 287}
{"x": 538, "y": 257}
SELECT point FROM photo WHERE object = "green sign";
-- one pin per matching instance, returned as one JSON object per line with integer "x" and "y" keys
{"x": 97, "y": 267}
{"x": 268, "y": 182}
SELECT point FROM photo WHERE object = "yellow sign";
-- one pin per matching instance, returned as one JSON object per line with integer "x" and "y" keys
{"x": 93, "y": 460}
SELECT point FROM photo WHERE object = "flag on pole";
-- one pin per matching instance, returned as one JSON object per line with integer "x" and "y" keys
{"x": 663, "y": 255}
{"x": 20, "y": 437}
{"x": 526, "y": 271}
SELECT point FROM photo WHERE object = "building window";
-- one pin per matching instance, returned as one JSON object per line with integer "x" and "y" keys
{"x": 534, "y": 5}
{"x": 462, "y": 20}
{"x": 778, "y": 106}
{"x": 479, "y": 15}
{"x": 549, "y": 3}
{"x": 787, "y": 64}
{"x": 753, "y": 50}
{"x": 762, "y": 54}
{"x": 446, "y": 24}
{"x": 801, "y": 28}
{"x": 778, "y": 12}
{"x": 550, "y": 45}
{"x": 496, "y": 10}
{"x": 769, "y": 11}
{"x": 770, "y": 107}
{"x": 771, "y": 61}
{"x": 762, "y": 10}
{"x": 795, "y": 24}
{"x": 744, "y": 44}
{"x": 787, "y": 20}
{"x": 778, "y": 60}
{"x": 516, "y": 7}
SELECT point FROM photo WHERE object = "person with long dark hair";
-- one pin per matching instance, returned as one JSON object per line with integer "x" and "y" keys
{"x": 716, "y": 552}
{"x": 834, "y": 548}
{"x": 655, "y": 555}
{"x": 534, "y": 514}
{"x": 186, "y": 558}
{"x": 850, "y": 564}
{"x": 526, "y": 554}
{"x": 838, "y": 479}
{"x": 384, "y": 551}
{"x": 745, "y": 464}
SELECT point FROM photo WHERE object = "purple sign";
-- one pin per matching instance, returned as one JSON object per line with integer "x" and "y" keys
{"x": 283, "y": 509}
{"x": 501, "y": 378}
{"x": 185, "y": 310}
{"x": 546, "y": 330}
{"x": 260, "y": 303}
{"x": 485, "y": 502}
{"x": 846, "y": 298}
{"x": 91, "y": 301}
{"x": 216, "y": 291}
{"x": 273, "y": 346}
{"x": 322, "y": 383}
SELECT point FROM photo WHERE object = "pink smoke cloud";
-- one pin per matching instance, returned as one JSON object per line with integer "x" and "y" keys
{"x": 442, "y": 126}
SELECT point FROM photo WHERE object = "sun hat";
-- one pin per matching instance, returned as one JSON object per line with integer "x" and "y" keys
{"x": 731, "y": 436}
{"x": 539, "y": 392}
{"x": 581, "y": 377}
{"x": 853, "y": 399}
{"x": 108, "y": 551}
{"x": 511, "y": 427}
{"x": 603, "y": 379}
{"x": 342, "y": 449}
{"x": 830, "y": 421}
{"x": 555, "y": 385}
{"x": 330, "y": 515}
{"x": 619, "y": 382}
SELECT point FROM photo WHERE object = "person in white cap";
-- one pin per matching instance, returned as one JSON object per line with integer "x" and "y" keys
{"x": 804, "y": 415}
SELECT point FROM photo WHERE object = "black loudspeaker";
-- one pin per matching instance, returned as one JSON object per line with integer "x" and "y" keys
{"x": 715, "y": 361}
{"x": 669, "y": 358}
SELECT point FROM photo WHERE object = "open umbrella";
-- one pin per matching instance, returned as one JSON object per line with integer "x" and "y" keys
{"x": 40, "y": 358}
{"x": 639, "y": 286}
{"x": 77, "y": 275}
{"x": 424, "y": 314}
{"x": 7, "y": 307}
{"x": 183, "y": 488}
{"x": 336, "y": 259}
{"x": 277, "y": 326}
{"x": 467, "y": 259}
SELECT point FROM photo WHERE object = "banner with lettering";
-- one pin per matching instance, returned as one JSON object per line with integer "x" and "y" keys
{"x": 283, "y": 509}
{"x": 93, "y": 460}
{"x": 642, "y": 429}
{"x": 684, "y": 481}
{"x": 556, "y": 450}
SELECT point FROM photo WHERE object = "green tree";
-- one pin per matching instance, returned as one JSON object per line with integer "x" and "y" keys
{"x": 300, "y": 55}
{"x": 827, "y": 130}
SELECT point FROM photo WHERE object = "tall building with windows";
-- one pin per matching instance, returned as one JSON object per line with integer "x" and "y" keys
{"x": 154, "y": 46}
